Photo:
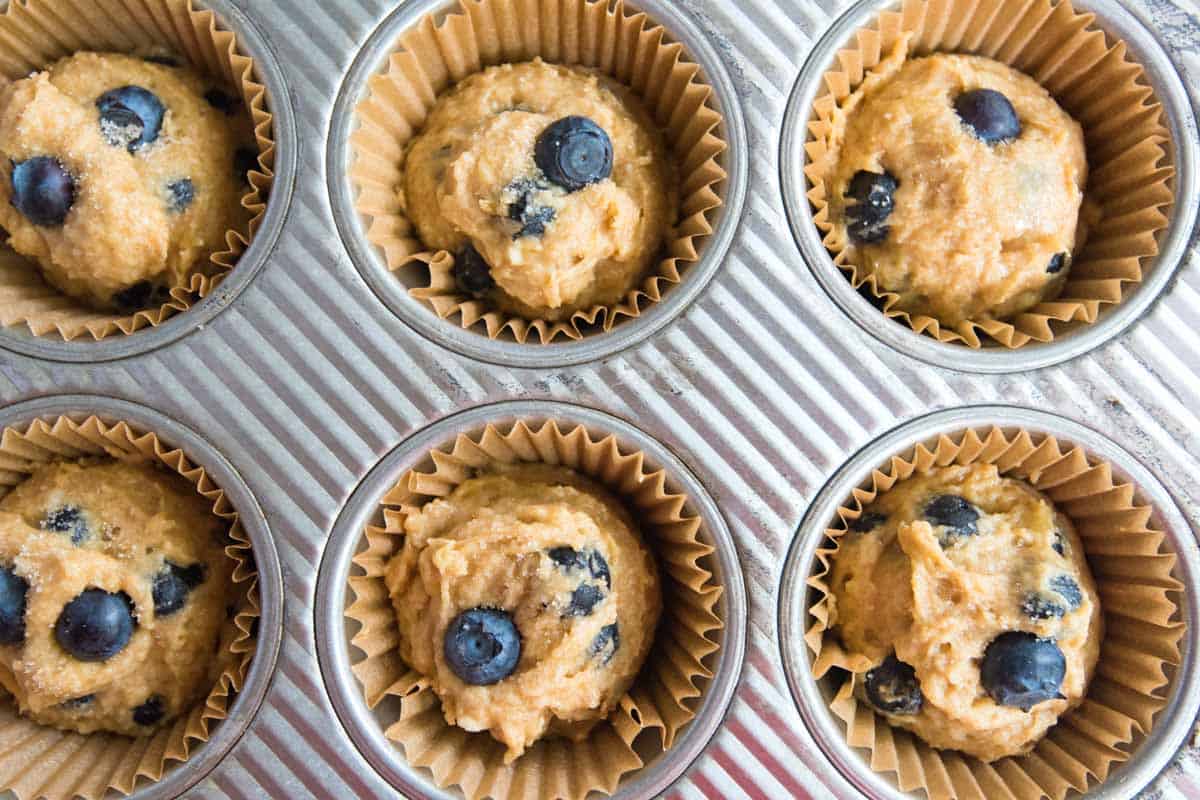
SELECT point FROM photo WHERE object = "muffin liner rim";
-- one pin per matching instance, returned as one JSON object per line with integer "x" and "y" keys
{"x": 1151, "y": 753}
{"x": 333, "y": 638}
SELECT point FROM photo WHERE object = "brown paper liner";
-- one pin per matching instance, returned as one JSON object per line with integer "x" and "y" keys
{"x": 443, "y": 49}
{"x": 662, "y": 698}
{"x": 1097, "y": 81}
{"x": 37, "y": 761}
{"x": 1132, "y": 564}
{"x": 35, "y": 34}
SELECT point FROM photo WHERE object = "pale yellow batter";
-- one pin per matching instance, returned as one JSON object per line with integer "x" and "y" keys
{"x": 474, "y": 159}
{"x": 113, "y": 526}
{"x": 127, "y": 226}
{"x": 498, "y": 541}
{"x": 936, "y": 598}
{"x": 978, "y": 231}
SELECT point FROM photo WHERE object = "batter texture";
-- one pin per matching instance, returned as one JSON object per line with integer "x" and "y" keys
{"x": 564, "y": 560}
{"x": 979, "y": 230}
{"x": 141, "y": 219}
{"x": 134, "y": 531}
{"x": 936, "y": 596}
{"x": 470, "y": 177}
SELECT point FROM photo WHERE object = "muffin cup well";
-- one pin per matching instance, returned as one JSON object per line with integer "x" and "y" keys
{"x": 40, "y": 761}
{"x": 1135, "y": 563}
{"x": 440, "y": 50}
{"x": 1096, "y": 79}
{"x": 38, "y": 33}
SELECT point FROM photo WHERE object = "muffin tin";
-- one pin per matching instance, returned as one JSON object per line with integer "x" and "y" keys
{"x": 305, "y": 380}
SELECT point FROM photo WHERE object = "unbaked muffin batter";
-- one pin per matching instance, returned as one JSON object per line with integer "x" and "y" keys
{"x": 482, "y": 182}
{"x": 958, "y": 182}
{"x": 113, "y": 589}
{"x": 528, "y": 600}
{"x": 120, "y": 176}
{"x": 967, "y": 605}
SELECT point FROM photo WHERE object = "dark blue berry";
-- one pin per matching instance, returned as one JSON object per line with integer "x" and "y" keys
{"x": 244, "y": 160}
{"x": 893, "y": 687}
{"x": 574, "y": 152}
{"x": 180, "y": 194}
{"x": 140, "y": 295}
{"x": 78, "y": 702}
{"x": 13, "y": 589}
{"x": 96, "y": 625}
{"x": 472, "y": 274}
{"x": 867, "y": 521}
{"x": 172, "y": 585}
{"x": 482, "y": 646}
{"x": 222, "y": 101}
{"x": 1039, "y": 605}
{"x": 130, "y": 117}
{"x": 583, "y": 600}
{"x": 1021, "y": 670}
{"x": 1068, "y": 589}
{"x": 606, "y": 644}
{"x": 876, "y": 196}
{"x": 954, "y": 513}
{"x": 150, "y": 711}
{"x": 67, "y": 519}
{"x": 1057, "y": 262}
{"x": 590, "y": 561}
{"x": 989, "y": 115}
{"x": 1061, "y": 595}
{"x": 42, "y": 190}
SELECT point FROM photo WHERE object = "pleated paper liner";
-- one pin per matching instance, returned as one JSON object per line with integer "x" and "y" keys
{"x": 36, "y": 33}
{"x": 1094, "y": 79}
{"x": 1132, "y": 564}
{"x": 443, "y": 49}
{"x": 37, "y": 761}
{"x": 661, "y": 700}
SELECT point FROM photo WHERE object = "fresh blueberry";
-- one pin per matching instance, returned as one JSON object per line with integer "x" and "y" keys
{"x": 140, "y": 295}
{"x": 222, "y": 101}
{"x": 523, "y": 209}
{"x": 482, "y": 646}
{"x": 1021, "y": 670}
{"x": 583, "y": 600}
{"x": 893, "y": 687}
{"x": 13, "y": 589}
{"x": 989, "y": 115}
{"x": 150, "y": 711}
{"x": 1057, "y": 262}
{"x": 130, "y": 117}
{"x": 606, "y": 644}
{"x": 472, "y": 274}
{"x": 876, "y": 196}
{"x": 244, "y": 160}
{"x": 96, "y": 625}
{"x": 78, "y": 702}
{"x": 42, "y": 190}
{"x": 161, "y": 60}
{"x": 574, "y": 152}
{"x": 867, "y": 521}
{"x": 953, "y": 513}
{"x": 67, "y": 519}
{"x": 172, "y": 585}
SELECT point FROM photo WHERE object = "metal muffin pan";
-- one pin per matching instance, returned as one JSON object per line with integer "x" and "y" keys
{"x": 1117, "y": 21}
{"x": 366, "y": 727}
{"x": 180, "y": 777}
{"x": 1172, "y": 726}
{"x": 306, "y": 381}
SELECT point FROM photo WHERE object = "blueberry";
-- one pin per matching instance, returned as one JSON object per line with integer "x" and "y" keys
{"x": 66, "y": 519}
{"x": 574, "y": 152}
{"x": 583, "y": 600}
{"x": 150, "y": 711}
{"x": 42, "y": 190}
{"x": 1057, "y": 262}
{"x": 482, "y": 646}
{"x": 1061, "y": 595}
{"x": 875, "y": 193}
{"x": 471, "y": 273}
{"x": 244, "y": 160}
{"x": 140, "y": 295}
{"x": 954, "y": 513}
{"x": 78, "y": 702}
{"x": 867, "y": 521}
{"x": 1059, "y": 545}
{"x": 172, "y": 585}
{"x": 180, "y": 195}
{"x": 893, "y": 687}
{"x": 1037, "y": 605}
{"x": 130, "y": 117}
{"x": 13, "y": 589}
{"x": 1021, "y": 670}
{"x": 592, "y": 561}
{"x": 606, "y": 644}
{"x": 1066, "y": 586}
{"x": 96, "y": 625}
{"x": 989, "y": 115}
{"x": 222, "y": 101}
{"x": 533, "y": 218}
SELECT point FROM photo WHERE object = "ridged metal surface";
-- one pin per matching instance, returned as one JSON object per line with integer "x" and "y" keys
{"x": 763, "y": 387}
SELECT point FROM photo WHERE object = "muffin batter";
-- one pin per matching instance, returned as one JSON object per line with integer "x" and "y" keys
{"x": 541, "y": 572}
{"x": 957, "y": 182}
{"x": 967, "y": 604}
{"x": 538, "y": 243}
{"x": 120, "y": 176}
{"x": 113, "y": 588}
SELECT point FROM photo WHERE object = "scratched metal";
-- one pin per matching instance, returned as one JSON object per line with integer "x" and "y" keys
{"x": 762, "y": 386}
